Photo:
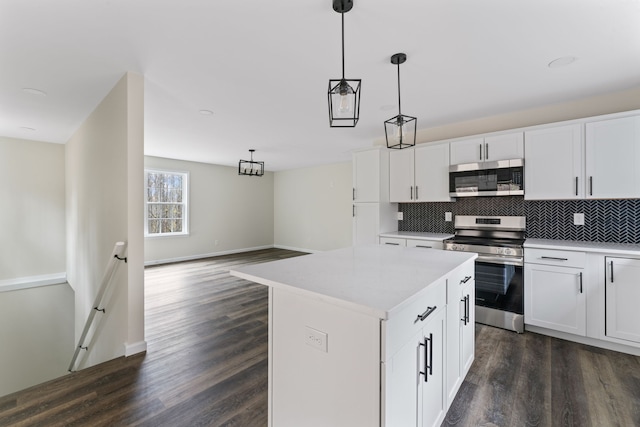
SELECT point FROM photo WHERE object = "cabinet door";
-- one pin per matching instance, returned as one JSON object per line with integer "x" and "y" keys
{"x": 612, "y": 158}
{"x": 467, "y": 151}
{"x": 622, "y": 287}
{"x": 432, "y": 394}
{"x": 554, "y": 298}
{"x": 432, "y": 173}
{"x": 366, "y": 176}
{"x": 553, "y": 163}
{"x": 366, "y": 220}
{"x": 504, "y": 147}
{"x": 403, "y": 382}
{"x": 401, "y": 174}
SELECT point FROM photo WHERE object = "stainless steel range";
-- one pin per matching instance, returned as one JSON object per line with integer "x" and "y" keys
{"x": 498, "y": 242}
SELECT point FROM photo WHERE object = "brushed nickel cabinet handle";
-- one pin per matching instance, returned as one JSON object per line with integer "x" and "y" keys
{"x": 576, "y": 185}
{"x": 480, "y": 151}
{"x": 486, "y": 151}
{"x": 416, "y": 192}
{"x": 591, "y": 186}
{"x": 554, "y": 258}
{"x": 426, "y": 314}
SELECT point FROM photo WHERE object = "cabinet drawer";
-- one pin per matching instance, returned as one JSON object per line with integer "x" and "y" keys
{"x": 554, "y": 257}
{"x": 405, "y": 322}
{"x": 393, "y": 241}
{"x": 426, "y": 244}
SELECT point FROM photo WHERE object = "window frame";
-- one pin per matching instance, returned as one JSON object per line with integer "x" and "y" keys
{"x": 184, "y": 203}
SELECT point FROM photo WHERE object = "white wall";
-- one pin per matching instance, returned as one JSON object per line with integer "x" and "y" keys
{"x": 227, "y": 213}
{"x": 36, "y": 336}
{"x": 313, "y": 207}
{"x": 36, "y": 324}
{"x": 33, "y": 210}
{"x": 609, "y": 103}
{"x": 104, "y": 170}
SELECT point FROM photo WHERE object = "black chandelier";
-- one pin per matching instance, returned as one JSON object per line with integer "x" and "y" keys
{"x": 250, "y": 168}
{"x": 400, "y": 130}
{"x": 344, "y": 94}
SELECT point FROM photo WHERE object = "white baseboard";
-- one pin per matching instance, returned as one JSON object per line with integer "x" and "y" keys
{"x": 201, "y": 256}
{"x": 584, "y": 340}
{"x": 135, "y": 348}
{"x": 291, "y": 248}
{"x": 32, "y": 282}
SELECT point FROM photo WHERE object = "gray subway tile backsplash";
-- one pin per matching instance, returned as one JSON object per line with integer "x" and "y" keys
{"x": 605, "y": 220}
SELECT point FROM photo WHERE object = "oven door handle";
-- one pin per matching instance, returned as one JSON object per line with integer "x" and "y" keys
{"x": 496, "y": 259}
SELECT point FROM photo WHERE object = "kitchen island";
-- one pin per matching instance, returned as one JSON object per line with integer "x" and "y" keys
{"x": 362, "y": 336}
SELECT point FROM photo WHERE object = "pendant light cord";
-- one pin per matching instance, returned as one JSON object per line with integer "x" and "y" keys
{"x": 399, "y": 110}
{"x": 342, "y": 45}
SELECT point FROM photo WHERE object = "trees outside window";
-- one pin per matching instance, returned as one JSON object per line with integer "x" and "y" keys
{"x": 166, "y": 203}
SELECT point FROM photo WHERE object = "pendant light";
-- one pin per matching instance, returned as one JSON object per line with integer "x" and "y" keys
{"x": 344, "y": 94}
{"x": 250, "y": 168}
{"x": 400, "y": 130}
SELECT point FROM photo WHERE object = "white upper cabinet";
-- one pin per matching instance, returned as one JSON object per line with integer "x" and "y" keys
{"x": 467, "y": 151}
{"x": 367, "y": 172}
{"x": 432, "y": 173}
{"x": 488, "y": 149}
{"x": 401, "y": 176}
{"x": 554, "y": 159}
{"x": 613, "y": 158}
{"x": 420, "y": 174}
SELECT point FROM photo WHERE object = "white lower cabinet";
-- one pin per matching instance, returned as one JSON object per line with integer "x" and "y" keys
{"x": 412, "y": 243}
{"x": 590, "y": 297}
{"x": 555, "y": 298}
{"x": 622, "y": 287}
{"x": 415, "y": 375}
{"x": 460, "y": 328}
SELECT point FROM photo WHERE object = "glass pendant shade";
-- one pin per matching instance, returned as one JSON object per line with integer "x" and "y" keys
{"x": 400, "y": 131}
{"x": 344, "y": 102}
{"x": 250, "y": 167}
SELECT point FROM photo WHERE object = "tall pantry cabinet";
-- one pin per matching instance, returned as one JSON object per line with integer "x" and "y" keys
{"x": 372, "y": 213}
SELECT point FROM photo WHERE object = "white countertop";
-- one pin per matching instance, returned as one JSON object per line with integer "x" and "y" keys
{"x": 571, "y": 245}
{"x": 417, "y": 235}
{"x": 375, "y": 280}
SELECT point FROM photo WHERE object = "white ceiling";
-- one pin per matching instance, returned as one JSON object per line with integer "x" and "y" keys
{"x": 263, "y": 67}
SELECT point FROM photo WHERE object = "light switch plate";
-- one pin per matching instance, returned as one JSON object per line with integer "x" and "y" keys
{"x": 578, "y": 219}
{"x": 315, "y": 338}
{"x": 448, "y": 216}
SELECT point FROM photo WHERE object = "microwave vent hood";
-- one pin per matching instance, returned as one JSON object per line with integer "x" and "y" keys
{"x": 499, "y": 178}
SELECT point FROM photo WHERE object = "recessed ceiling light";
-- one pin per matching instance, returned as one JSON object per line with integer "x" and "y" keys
{"x": 33, "y": 91}
{"x": 27, "y": 128}
{"x": 562, "y": 62}
{"x": 206, "y": 112}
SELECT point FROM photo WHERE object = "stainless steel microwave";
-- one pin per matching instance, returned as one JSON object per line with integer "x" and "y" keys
{"x": 501, "y": 178}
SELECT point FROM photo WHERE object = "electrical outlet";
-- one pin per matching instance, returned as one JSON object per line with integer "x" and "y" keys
{"x": 448, "y": 216}
{"x": 400, "y": 216}
{"x": 315, "y": 339}
{"x": 215, "y": 242}
{"x": 578, "y": 219}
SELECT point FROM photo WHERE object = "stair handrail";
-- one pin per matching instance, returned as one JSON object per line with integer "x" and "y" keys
{"x": 116, "y": 255}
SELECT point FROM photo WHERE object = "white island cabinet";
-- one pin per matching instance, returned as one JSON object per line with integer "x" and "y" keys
{"x": 358, "y": 336}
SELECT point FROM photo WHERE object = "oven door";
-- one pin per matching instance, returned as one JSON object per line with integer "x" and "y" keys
{"x": 499, "y": 285}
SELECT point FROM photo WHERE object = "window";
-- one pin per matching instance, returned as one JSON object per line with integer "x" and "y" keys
{"x": 166, "y": 203}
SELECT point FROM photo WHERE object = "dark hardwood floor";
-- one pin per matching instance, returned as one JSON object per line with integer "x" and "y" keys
{"x": 535, "y": 380}
{"x": 206, "y": 365}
